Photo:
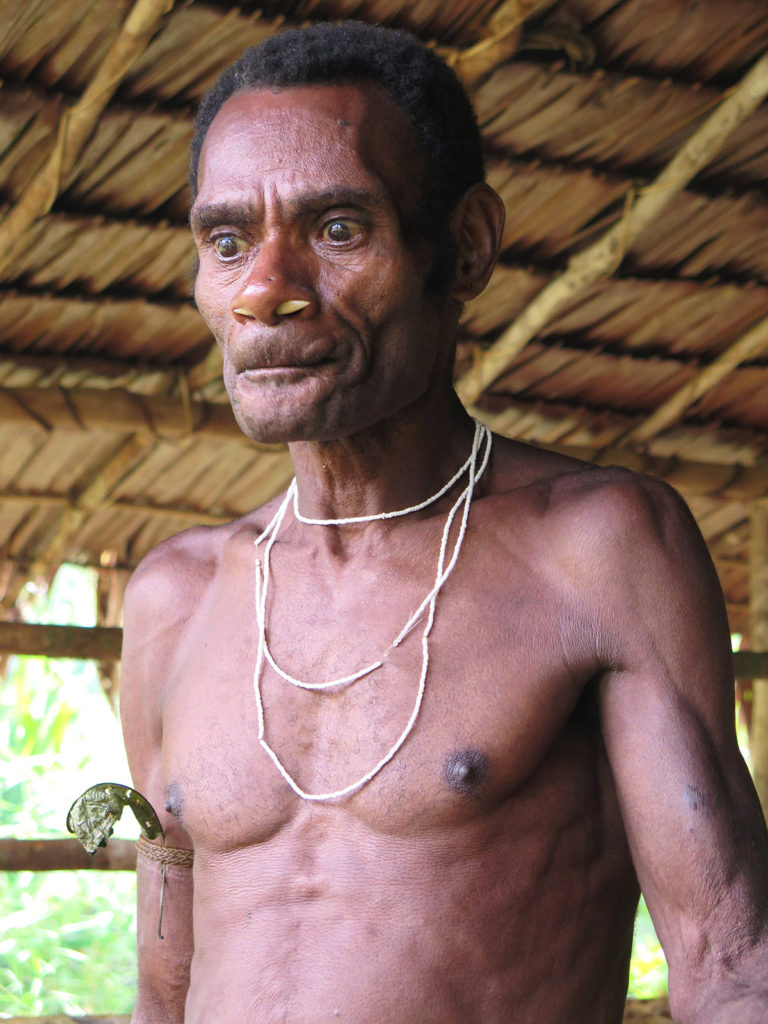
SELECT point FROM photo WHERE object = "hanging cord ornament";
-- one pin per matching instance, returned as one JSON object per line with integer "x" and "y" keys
{"x": 93, "y": 816}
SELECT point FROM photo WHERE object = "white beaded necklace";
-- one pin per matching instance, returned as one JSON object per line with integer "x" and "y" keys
{"x": 482, "y": 433}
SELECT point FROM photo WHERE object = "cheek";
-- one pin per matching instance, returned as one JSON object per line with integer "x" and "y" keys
{"x": 376, "y": 289}
{"x": 211, "y": 303}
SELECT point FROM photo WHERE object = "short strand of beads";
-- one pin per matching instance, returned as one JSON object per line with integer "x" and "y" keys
{"x": 443, "y": 572}
{"x": 349, "y": 520}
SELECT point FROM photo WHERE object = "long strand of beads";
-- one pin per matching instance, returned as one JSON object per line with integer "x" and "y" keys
{"x": 481, "y": 434}
{"x": 430, "y": 602}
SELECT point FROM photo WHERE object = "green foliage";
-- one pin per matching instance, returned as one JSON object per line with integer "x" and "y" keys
{"x": 648, "y": 970}
{"x": 67, "y": 943}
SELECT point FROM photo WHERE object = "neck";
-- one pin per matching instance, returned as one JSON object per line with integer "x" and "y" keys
{"x": 392, "y": 465}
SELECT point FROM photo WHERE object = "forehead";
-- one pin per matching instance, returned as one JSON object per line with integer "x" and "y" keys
{"x": 316, "y": 134}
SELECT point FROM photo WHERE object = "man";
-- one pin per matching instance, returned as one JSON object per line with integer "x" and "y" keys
{"x": 427, "y": 719}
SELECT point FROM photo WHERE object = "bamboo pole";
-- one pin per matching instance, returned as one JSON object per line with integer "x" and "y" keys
{"x": 747, "y": 346}
{"x": 65, "y": 855}
{"x": 100, "y": 643}
{"x": 758, "y": 636}
{"x": 103, "y": 643}
{"x": 604, "y": 256}
{"x": 638, "y": 1011}
{"x": 748, "y": 664}
{"x": 91, "y": 1019}
{"x": 77, "y": 123}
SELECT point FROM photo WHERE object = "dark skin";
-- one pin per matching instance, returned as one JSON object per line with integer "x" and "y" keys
{"x": 576, "y": 734}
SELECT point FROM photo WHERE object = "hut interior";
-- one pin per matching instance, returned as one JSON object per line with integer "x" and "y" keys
{"x": 626, "y": 323}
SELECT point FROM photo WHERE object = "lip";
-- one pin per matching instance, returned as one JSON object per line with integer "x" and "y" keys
{"x": 255, "y": 373}
{"x": 292, "y": 352}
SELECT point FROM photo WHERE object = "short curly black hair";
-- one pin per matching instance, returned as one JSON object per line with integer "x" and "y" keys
{"x": 413, "y": 77}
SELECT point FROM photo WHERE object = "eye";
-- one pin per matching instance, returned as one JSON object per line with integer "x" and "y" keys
{"x": 341, "y": 230}
{"x": 227, "y": 247}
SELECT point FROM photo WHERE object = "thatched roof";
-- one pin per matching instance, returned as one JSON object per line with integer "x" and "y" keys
{"x": 114, "y": 427}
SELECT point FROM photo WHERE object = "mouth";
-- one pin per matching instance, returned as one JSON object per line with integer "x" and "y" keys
{"x": 285, "y": 369}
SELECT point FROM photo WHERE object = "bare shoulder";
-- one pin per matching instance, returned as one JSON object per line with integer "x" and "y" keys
{"x": 592, "y": 505}
{"x": 626, "y": 556}
{"x": 167, "y": 591}
{"x": 609, "y": 539}
{"x": 173, "y": 577}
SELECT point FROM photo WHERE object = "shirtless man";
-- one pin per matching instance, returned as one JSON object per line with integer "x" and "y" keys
{"x": 475, "y": 851}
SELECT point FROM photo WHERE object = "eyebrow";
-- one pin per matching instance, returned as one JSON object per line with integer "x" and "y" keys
{"x": 205, "y": 217}
{"x": 211, "y": 214}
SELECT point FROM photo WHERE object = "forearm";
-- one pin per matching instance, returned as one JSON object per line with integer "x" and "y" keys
{"x": 163, "y": 963}
{"x": 742, "y": 1012}
{"x": 737, "y": 995}
{"x": 740, "y": 1008}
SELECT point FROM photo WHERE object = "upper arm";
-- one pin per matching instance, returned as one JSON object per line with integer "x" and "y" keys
{"x": 159, "y": 603}
{"x": 693, "y": 821}
{"x": 156, "y": 609}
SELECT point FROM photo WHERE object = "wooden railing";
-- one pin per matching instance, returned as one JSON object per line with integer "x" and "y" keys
{"x": 639, "y": 1011}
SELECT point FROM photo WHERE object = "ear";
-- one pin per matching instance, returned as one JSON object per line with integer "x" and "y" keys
{"x": 476, "y": 225}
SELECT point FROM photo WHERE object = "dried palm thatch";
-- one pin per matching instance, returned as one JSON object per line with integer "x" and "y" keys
{"x": 626, "y": 322}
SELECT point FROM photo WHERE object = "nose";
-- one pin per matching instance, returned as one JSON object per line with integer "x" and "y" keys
{"x": 276, "y": 286}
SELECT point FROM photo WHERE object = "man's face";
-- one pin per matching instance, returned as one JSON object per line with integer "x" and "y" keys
{"x": 310, "y": 194}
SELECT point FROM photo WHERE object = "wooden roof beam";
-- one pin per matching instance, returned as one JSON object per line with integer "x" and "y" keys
{"x": 28, "y": 499}
{"x": 746, "y": 347}
{"x": 120, "y": 372}
{"x": 603, "y": 257}
{"x": 151, "y": 416}
{"x": 119, "y": 412}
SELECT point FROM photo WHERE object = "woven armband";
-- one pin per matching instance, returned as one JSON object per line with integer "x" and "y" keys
{"x": 165, "y": 854}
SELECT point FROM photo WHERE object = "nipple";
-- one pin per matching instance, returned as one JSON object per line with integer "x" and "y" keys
{"x": 465, "y": 770}
{"x": 174, "y": 802}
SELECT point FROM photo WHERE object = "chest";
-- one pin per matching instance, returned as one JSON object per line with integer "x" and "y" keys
{"x": 486, "y": 710}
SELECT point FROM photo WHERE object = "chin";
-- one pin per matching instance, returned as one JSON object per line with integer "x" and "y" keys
{"x": 314, "y": 410}
{"x": 280, "y": 426}
{"x": 270, "y": 416}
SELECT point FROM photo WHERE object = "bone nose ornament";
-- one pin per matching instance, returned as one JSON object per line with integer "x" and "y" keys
{"x": 291, "y": 306}
{"x": 284, "y": 309}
